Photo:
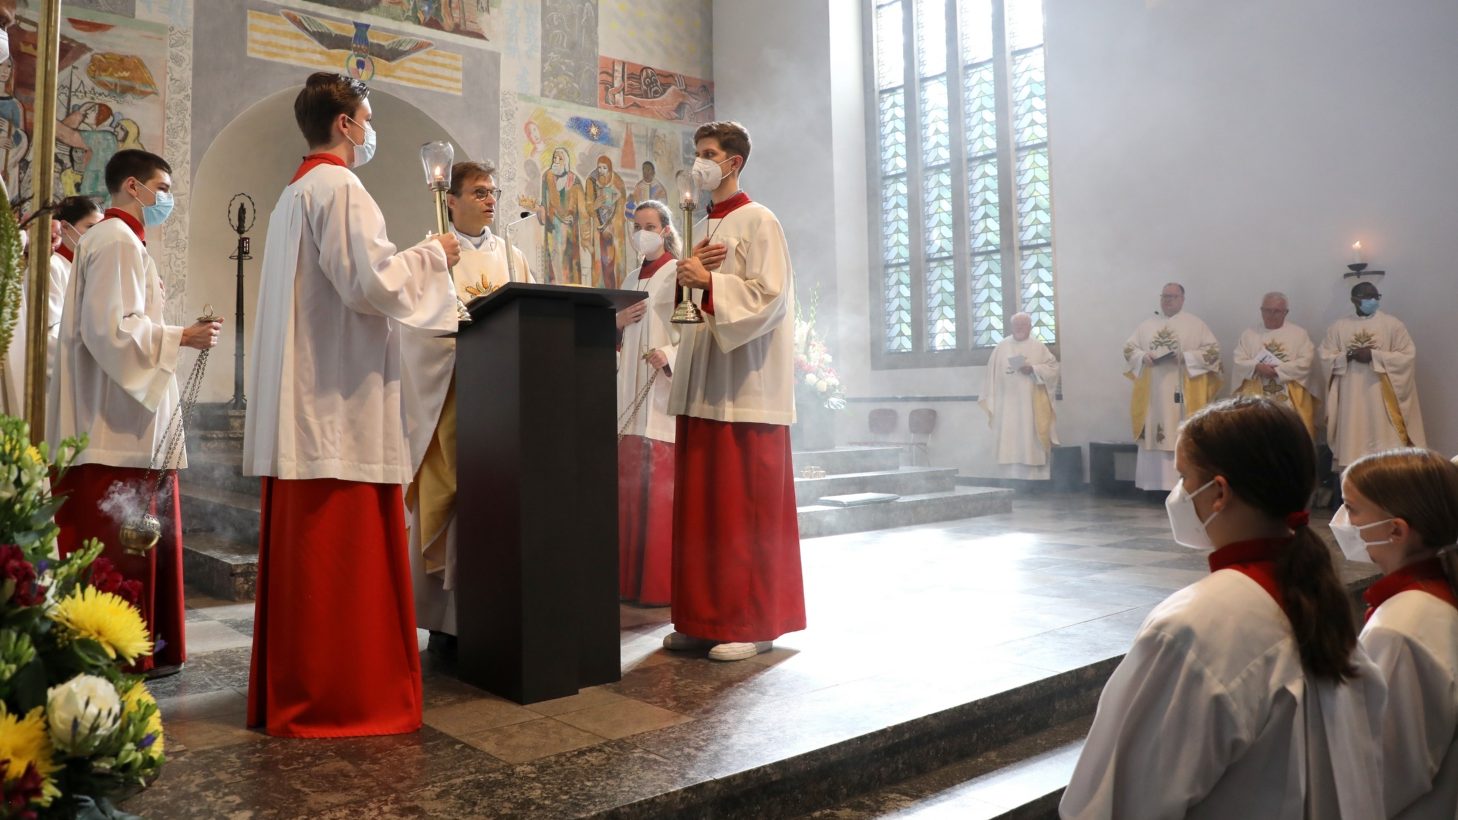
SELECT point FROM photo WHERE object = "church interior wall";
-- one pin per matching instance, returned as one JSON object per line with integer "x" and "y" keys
{"x": 627, "y": 80}
{"x": 1236, "y": 147}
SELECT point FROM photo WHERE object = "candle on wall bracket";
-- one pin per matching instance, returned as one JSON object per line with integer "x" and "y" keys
{"x": 1358, "y": 268}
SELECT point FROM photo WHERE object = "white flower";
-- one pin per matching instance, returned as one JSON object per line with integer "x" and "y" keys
{"x": 82, "y": 712}
{"x": 811, "y": 378}
{"x": 822, "y": 385}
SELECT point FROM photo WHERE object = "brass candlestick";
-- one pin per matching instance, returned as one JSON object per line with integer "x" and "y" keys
{"x": 686, "y": 312}
{"x": 437, "y": 157}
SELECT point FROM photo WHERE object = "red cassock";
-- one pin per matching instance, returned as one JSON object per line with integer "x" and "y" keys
{"x": 334, "y": 646}
{"x": 645, "y": 520}
{"x": 736, "y": 540}
{"x": 159, "y": 571}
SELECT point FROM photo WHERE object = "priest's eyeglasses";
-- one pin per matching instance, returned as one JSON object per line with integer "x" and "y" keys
{"x": 482, "y": 194}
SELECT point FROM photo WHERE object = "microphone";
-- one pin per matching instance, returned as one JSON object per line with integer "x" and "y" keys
{"x": 522, "y": 217}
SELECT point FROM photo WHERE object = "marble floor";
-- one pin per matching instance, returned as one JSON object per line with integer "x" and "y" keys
{"x": 903, "y": 623}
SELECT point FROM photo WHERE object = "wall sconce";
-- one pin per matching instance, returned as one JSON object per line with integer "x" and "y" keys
{"x": 1358, "y": 267}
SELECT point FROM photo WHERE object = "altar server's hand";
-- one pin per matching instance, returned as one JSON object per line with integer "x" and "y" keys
{"x": 1362, "y": 354}
{"x": 452, "y": 247}
{"x": 202, "y": 335}
{"x": 1148, "y": 359}
{"x": 657, "y": 358}
{"x": 712, "y": 256}
{"x": 693, "y": 274}
{"x": 1026, "y": 370}
{"x": 632, "y": 314}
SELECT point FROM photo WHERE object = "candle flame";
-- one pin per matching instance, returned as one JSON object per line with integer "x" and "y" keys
{"x": 1356, "y": 246}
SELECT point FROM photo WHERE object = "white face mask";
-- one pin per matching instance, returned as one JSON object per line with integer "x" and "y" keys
{"x": 708, "y": 173}
{"x": 1184, "y": 521}
{"x": 4, "y": 46}
{"x": 647, "y": 242}
{"x": 363, "y": 151}
{"x": 1349, "y": 535}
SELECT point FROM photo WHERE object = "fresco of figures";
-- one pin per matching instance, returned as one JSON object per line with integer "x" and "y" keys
{"x": 582, "y": 175}
{"x": 112, "y": 75}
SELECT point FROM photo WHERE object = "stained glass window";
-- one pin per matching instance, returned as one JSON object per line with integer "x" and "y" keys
{"x": 965, "y": 192}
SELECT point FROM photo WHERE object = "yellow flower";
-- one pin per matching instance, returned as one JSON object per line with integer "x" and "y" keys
{"x": 24, "y": 741}
{"x": 34, "y": 454}
{"x": 106, "y": 619}
{"x": 135, "y": 699}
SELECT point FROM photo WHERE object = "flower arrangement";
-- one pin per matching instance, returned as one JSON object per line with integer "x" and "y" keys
{"x": 76, "y": 731}
{"x": 817, "y": 384}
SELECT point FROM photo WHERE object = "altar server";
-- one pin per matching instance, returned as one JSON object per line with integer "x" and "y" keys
{"x": 334, "y": 648}
{"x": 645, "y": 441}
{"x": 116, "y": 381}
{"x": 736, "y": 542}
{"x": 1401, "y": 512}
{"x": 1245, "y": 694}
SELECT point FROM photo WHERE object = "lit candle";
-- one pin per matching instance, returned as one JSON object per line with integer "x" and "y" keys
{"x": 687, "y": 200}
{"x": 1357, "y": 252}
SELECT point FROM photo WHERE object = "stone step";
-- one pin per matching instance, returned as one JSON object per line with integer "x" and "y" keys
{"x": 922, "y": 508}
{"x": 216, "y": 417}
{"x": 220, "y": 566}
{"x": 865, "y": 764}
{"x": 1022, "y": 779}
{"x": 905, "y": 481}
{"x": 219, "y": 470}
{"x": 222, "y": 512}
{"x": 844, "y": 460}
{"x": 214, "y": 441}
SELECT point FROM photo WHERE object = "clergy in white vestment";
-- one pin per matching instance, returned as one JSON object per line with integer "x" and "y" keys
{"x": 1017, "y": 394}
{"x": 1174, "y": 362}
{"x": 1371, "y": 395}
{"x": 428, "y": 386}
{"x": 116, "y": 382}
{"x": 1245, "y": 694}
{"x": 645, "y": 428}
{"x": 1400, "y": 511}
{"x": 334, "y": 646}
{"x": 737, "y": 582}
{"x": 1275, "y": 361}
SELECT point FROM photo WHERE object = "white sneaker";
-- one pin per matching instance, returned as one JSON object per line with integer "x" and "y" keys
{"x": 679, "y": 642}
{"x": 739, "y": 651}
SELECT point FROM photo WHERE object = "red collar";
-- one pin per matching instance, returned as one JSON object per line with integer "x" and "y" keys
{"x": 650, "y": 268}
{"x": 313, "y": 161}
{"x": 1256, "y": 559}
{"x": 722, "y": 209}
{"x": 1424, "y": 575}
{"x": 66, "y": 253}
{"x": 131, "y": 222}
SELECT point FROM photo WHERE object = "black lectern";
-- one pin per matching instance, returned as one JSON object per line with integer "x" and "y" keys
{"x": 536, "y": 501}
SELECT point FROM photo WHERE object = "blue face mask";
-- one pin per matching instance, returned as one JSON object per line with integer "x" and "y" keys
{"x": 1367, "y": 307}
{"x": 161, "y": 208}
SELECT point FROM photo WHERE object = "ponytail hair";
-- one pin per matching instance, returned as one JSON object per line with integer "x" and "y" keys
{"x": 1420, "y": 487}
{"x": 673, "y": 243}
{"x": 1265, "y": 453}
